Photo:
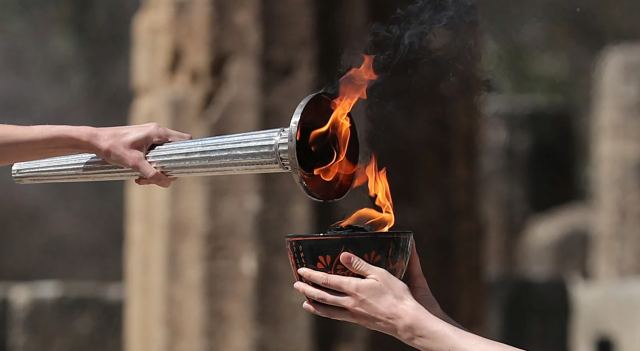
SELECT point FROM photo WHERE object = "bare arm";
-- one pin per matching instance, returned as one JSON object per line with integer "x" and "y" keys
{"x": 23, "y": 143}
{"x": 381, "y": 302}
{"x": 425, "y": 333}
{"x": 123, "y": 146}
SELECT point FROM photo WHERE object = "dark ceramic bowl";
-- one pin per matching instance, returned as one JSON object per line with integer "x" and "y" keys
{"x": 321, "y": 252}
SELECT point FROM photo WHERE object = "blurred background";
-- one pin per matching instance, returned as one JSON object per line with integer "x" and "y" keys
{"x": 510, "y": 129}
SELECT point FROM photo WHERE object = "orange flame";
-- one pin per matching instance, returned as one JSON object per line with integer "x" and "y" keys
{"x": 337, "y": 131}
{"x": 353, "y": 86}
{"x": 379, "y": 189}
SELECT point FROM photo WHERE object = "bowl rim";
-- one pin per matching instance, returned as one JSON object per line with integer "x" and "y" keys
{"x": 392, "y": 233}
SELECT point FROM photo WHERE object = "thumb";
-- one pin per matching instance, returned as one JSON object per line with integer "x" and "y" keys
{"x": 357, "y": 265}
{"x": 150, "y": 174}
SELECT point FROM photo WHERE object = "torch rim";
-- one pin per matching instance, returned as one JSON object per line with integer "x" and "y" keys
{"x": 296, "y": 170}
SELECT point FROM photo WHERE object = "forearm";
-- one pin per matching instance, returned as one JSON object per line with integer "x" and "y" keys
{"x": 23, "y": 143}
{"x": 426, "y": 332}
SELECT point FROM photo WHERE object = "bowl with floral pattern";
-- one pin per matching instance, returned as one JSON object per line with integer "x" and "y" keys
{"x": 321, "y": 252}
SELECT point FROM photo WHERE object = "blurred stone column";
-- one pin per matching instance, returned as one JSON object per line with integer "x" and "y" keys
{"x": 288, "y": 76}
{"x": 342, "y": 28}
{"x": 616, "y": 164}
{"x": 191, "y": 256}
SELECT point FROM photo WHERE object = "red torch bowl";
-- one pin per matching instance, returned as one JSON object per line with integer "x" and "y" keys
{"x": 321, "y": 252}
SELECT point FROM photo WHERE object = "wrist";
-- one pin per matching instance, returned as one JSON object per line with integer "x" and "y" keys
{"x": 424, "y": 331}
{"x": 87, "y": 139}
{"x": 410, "y": 326}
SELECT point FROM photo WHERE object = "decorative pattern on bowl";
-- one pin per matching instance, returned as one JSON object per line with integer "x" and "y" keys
{"x": 321, "y": 252}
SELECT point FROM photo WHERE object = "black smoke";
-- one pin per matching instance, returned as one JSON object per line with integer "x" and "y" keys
{"x": 424, "y": 31}
{"x": 423, "y": 120}
{"x": 437, "y": 33}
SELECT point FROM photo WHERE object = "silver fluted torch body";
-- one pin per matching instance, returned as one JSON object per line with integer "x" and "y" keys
{"x": 267, "y": 151}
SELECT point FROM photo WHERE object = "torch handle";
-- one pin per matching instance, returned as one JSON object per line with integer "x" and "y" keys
{"x": 255, "y": 152}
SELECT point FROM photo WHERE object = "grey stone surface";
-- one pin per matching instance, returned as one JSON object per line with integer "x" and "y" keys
{"x": 63, "y": 62}
{"x": 555, "y": 244}
{"x": 616, "y": 163}
{"x": 57, "y": 316}
{"x": 605, "y": 312}
{"x": 528, "y": 167}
